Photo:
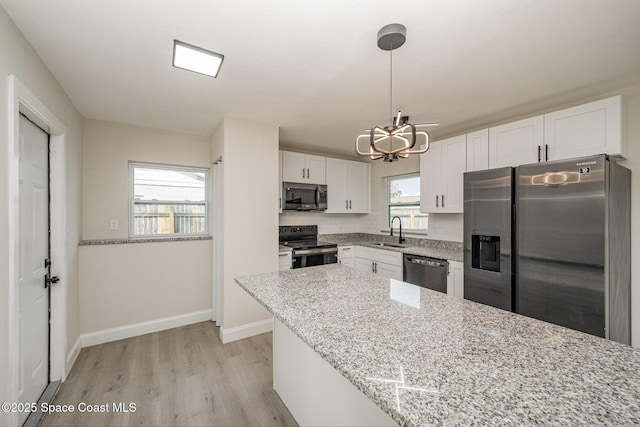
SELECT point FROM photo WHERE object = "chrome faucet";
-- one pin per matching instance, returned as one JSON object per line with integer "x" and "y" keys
{"x": 400, "y": 238}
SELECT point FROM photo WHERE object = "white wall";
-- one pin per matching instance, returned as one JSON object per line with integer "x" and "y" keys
{"x": 107, "y": 149}
{"x": 17, "y": 57}
{"x": 136, "y": 282}
{"x": 249, "y": 154}
{"x": 333, "y": 223}
{"x": 125, "y": 284}
{"x": 631, "y": 99}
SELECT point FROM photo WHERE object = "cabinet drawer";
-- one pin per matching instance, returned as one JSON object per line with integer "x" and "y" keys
{"x": 284, "y": 260}
{"x": 349, "y": 262}
{"x": 363, "y": 252}
{"x": 389, "y": 257}
{"x": 389, "y": 271}
{"x": 345, "y": 252}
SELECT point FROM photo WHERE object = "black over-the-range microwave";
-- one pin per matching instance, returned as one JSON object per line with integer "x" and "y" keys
{"x": 304, "y": 197}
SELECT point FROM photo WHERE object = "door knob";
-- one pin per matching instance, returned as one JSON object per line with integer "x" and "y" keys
{"x": 50, "y": 280}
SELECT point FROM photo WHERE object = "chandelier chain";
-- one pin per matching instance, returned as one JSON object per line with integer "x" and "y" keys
{"x": 391, "y": 85}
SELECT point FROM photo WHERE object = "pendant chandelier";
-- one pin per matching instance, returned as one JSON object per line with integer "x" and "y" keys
{"x": 400, "y": 138}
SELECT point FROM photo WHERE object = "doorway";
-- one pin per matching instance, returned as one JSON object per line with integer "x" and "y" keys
{"x": 53, "y": 337}
{"x": 33, "y": 262}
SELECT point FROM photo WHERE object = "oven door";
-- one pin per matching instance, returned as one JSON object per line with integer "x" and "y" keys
{"x": 316, "y": 256}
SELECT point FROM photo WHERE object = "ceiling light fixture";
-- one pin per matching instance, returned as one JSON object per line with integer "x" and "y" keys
{"x": 400, "y": 138}
{"x": 196, "y": 59}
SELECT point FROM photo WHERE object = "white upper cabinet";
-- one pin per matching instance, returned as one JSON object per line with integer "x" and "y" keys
{"x": 593, "y": 128}
{"x": 517, "y": 143}
{"x": 430, "y": 177}
{"x": 359, "y": 187}
{"x": 478, "y": 150}
{"x": 441, "y": 176}
{"x": 585, "y": 130}
{"x": 307, "y": 168}
{"x": 348, "y": 186}
{"x": 337, "y": 177}
{"x": 280, "y": 180}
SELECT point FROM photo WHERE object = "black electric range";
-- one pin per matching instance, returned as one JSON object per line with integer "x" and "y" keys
{"x": 307, "y": 250}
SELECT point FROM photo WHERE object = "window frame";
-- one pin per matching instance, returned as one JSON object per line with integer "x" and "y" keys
{"x": 207, "y": 190}
{"x": 386, "y": 227}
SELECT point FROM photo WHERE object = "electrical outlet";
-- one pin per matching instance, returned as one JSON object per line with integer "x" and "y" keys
{"x": 114, "y": 224}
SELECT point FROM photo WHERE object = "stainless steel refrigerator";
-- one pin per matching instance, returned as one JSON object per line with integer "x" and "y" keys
{"x": 552, "y": 241}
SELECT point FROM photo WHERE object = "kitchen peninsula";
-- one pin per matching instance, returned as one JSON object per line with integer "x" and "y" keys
{"x": 423, "y": 357}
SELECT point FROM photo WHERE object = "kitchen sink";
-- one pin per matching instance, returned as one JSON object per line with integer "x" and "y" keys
{"x": 390, "y": 245}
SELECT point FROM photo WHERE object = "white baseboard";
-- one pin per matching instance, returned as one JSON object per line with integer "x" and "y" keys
{"x": 73, "y": 355}
{"x": 246, "y": 331}
{"x": 142, "y": 328}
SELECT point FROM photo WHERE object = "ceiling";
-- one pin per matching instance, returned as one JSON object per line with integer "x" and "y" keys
{"x": 313, "y": 67}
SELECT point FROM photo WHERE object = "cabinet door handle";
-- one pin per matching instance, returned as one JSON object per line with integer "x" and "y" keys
{"x": 346, "y": 204}
{"x": 372, "y": 268}
{"x": 546, "y": 152}
{"x": 443, "y": 200}
{"x": 349, "y": 204}
{"x": 308, "y": 176}
{"x": 539, "y": 150}
{"x": 437, "y": 201}
{"x": 302, "y": 172}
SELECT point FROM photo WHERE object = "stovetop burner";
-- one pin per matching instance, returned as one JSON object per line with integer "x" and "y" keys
{"x": 302, "y": 237}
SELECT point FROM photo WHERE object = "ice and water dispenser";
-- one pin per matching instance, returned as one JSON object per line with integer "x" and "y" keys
{"x": 485, "y": 252}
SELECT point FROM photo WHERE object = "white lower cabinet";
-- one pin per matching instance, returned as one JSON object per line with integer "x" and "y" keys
{"x": 379, "y": 261}
{"x": 284, "y": 260}
{"x": 455, "y": 279}
{"x": 346, "y": 256}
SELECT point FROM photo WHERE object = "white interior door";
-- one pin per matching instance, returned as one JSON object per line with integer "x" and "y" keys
{"x": 33, "y": 250}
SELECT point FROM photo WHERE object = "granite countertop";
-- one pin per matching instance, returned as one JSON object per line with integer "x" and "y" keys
{"x": 452, "y": 251}
{"x": 440, "y": 253}
{"x": 428, "y": 358}
{"x": 100, "y": 242}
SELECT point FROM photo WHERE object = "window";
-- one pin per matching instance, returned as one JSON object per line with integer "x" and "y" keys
{"x": 167, "y": 200}
{"x": 403, "y": 200}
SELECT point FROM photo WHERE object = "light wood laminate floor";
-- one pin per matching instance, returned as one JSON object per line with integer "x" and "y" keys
{"x": 180, "y": 377}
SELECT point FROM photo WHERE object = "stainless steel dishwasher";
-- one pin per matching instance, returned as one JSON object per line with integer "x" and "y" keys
{"x": 427, "y": 272}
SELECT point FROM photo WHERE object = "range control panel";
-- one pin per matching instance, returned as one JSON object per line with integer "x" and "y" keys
{"x": 297, "y": 232}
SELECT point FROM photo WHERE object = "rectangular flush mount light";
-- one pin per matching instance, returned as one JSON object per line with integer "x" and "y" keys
{"x": 196, "y": 59}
